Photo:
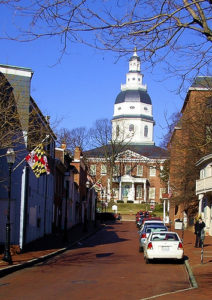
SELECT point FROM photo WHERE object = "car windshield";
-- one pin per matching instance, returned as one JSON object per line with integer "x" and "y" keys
{"x": 153, "y": 222}
{"x": 155, "y": 229}
{"x": 164, "y": 237}
{"x": 153, "y": 225}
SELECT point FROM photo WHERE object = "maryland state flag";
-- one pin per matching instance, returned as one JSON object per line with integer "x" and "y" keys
{"x": 37, "y": 160}
{"x": 97, "y": 186}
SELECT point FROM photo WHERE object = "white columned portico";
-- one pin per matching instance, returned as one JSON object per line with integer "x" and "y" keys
{"x": 133, "y": 191}
{"x": 130, "y": 181}
{"x": 145, "y": 191}
{"x": 108, "y": 190}
{"x": 120, "y": 193}
{"x": 200, "y": 203}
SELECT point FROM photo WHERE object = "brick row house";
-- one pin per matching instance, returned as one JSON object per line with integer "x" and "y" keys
{"x": 128, "y": 166}
{"x": 189, "y": 143}
{"x": 39, "y": 205}
{"x": 204, "y": 191}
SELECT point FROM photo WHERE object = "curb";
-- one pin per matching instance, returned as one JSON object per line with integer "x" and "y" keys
{"x": 191, "y": 275}
{"x": 10, "y": 269}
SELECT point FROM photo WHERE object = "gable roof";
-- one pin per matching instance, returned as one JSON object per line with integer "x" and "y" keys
{"x": 149, "y": 151}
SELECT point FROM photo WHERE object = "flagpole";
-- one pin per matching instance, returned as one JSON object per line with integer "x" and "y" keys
{"x": 31, "y": 151}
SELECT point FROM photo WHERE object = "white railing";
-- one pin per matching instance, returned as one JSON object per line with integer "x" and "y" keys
{"x": 204, "y": 185}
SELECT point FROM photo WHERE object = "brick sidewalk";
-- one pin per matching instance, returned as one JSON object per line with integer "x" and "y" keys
{"x": 202, "y": 272}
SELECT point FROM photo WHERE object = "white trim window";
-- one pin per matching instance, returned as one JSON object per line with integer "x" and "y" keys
{"x": 139, "y": 191}
{"x": 127, "y": 170}
{"x": 103, "y": 169}
{"x": 116, "y": 170}
{"x": 139, "y": 170}
{"x": 152, "y": 193}
{"x": 162, "y": 191}
{"x": 92, "y": 170}
{"x": 131, "y": 127}
{"x": 152, "y": 171}
{"x": 146, "y": 131}
{"x": 202, "y": 173}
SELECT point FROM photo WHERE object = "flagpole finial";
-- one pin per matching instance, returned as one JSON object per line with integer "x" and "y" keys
{"x": 135, "y": 51}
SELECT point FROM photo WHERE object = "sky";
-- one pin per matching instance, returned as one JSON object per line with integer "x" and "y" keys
{"x": 83, "y": 86}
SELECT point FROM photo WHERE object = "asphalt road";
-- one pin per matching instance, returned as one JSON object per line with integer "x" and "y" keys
{"x": 106, "y": 266}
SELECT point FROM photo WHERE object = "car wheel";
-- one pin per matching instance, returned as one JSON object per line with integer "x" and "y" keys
{"x": 147, "y": 261}
{"x": 181, "y": 261}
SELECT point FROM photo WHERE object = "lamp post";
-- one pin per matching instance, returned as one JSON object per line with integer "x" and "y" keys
{"x": 10, "y": 160}
{"x": 66, "y": 211}
{"x": 102, "y": 192}
{"x": 87, "y": 185}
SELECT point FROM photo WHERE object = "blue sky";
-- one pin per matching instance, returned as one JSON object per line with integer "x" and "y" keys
{"x": 83, "y": 86}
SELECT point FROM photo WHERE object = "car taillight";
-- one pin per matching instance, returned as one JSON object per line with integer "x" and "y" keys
{"x": 180, "y": 246}
{"x": 149, "y": 246}
{"x": 143, "y": 235}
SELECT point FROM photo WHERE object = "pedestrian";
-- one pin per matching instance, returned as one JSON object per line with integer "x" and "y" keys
{"x": 199, "y": 232}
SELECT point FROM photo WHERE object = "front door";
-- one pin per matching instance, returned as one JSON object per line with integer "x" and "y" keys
{"x": 125, "y": 192}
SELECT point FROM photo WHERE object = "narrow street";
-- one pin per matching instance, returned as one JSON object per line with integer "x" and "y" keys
{"x": 106, "y": 266}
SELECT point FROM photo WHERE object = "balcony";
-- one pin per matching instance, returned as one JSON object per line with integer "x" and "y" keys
{"x": 204, "y": 185}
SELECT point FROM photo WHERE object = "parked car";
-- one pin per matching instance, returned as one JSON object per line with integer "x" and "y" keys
{"x": 140, "y": 221}
{"x": 163, "y": 245}
{"x": 141, "y": 215}
{"x": 151, "y": 219}
{"x": 147, "y": 229}
{"x": 151, "y": 222}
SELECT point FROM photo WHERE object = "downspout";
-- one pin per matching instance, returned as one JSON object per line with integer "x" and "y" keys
{"x": 45, "y": 200}
{"x": 24, "y": 206}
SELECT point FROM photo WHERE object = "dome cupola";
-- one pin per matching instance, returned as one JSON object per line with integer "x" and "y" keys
{"x": 133, "y": 108}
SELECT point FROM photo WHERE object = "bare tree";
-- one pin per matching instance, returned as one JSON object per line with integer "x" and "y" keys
{"x": 77, "y": 137}
{"x": 177, "y": 32}
{"x": 22, "y": 125}
{"x": 10, "y": 131}
{"x": 108, "y": 147}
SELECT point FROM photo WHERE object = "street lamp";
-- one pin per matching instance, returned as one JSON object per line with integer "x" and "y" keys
{"x": 87, "y": 185}
{"x": 102, "y": 192}
{"x": 10, "y": 160}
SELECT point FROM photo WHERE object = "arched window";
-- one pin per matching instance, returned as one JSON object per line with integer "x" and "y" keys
{"x": 131, "y": 127}
{"x": 117, "y": 130}
{"x": 146, "y": 131}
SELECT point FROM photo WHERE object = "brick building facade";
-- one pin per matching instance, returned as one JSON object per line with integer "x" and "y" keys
{"x": 191, "y": 140}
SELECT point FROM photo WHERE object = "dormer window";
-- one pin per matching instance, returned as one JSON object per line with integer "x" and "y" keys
{"x": 132, "y": 107}
{"x": 145, "y": 108}
{"x": 119, "y": 108}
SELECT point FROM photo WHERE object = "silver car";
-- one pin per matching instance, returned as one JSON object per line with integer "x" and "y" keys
{"x": 147, "y": 229}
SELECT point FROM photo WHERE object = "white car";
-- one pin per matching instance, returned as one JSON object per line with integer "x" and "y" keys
{"x": 163, "y": 245}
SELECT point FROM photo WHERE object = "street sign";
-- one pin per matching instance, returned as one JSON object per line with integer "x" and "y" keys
{"x": 114, "y": 208}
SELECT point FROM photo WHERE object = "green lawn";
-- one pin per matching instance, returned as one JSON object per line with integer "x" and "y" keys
{"x": 130, "y": 208}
